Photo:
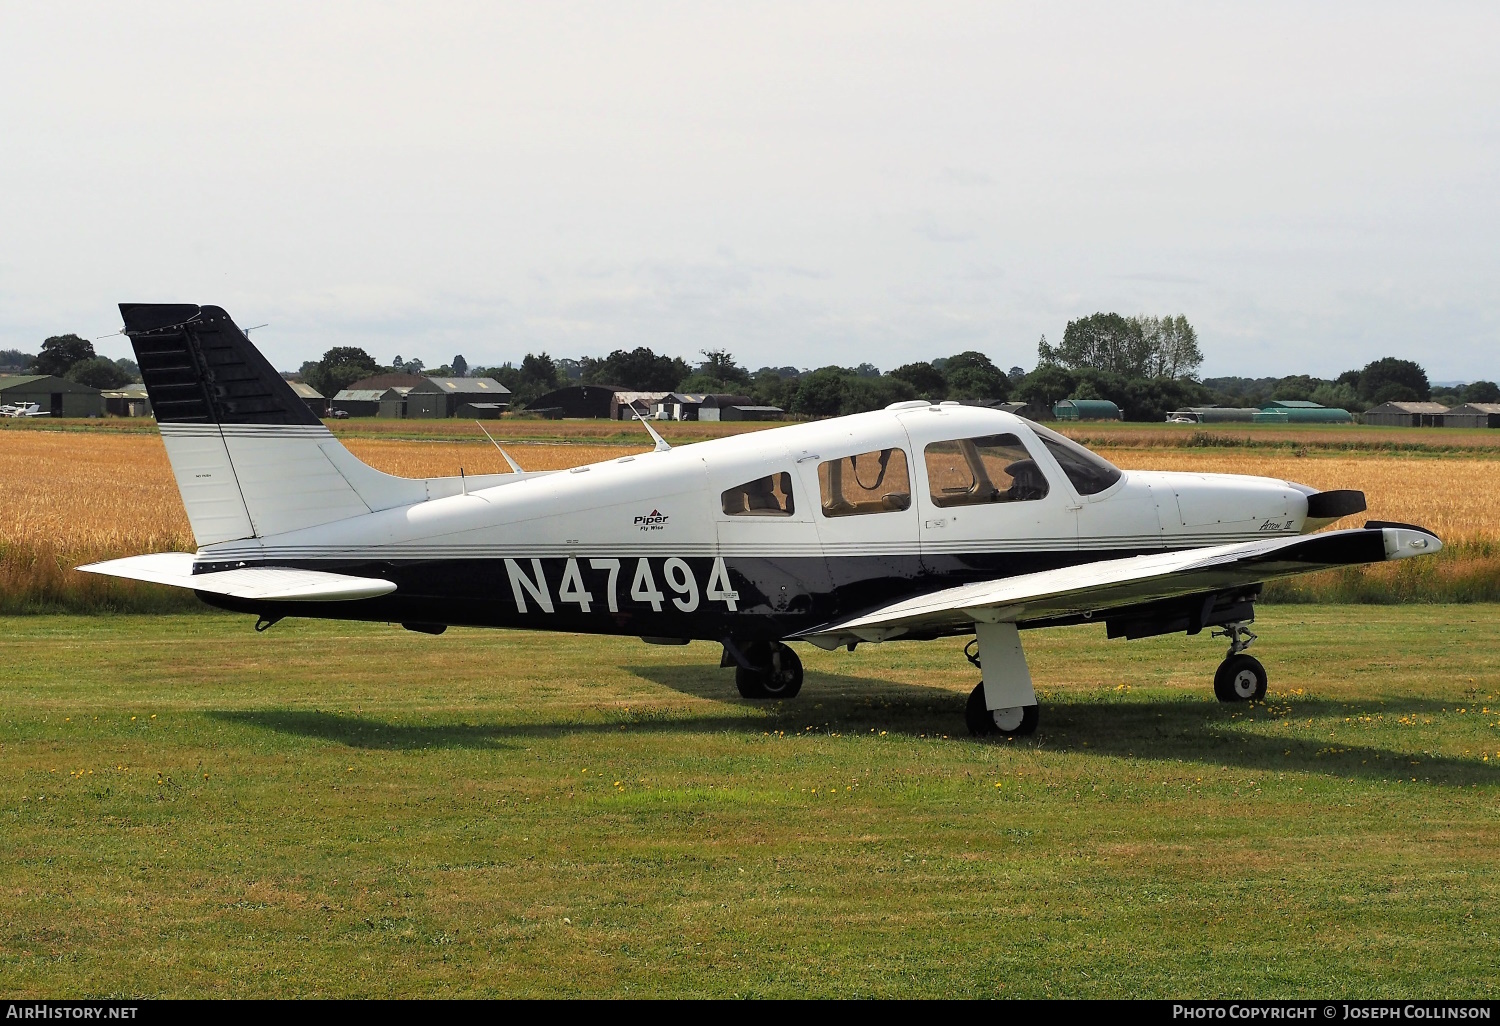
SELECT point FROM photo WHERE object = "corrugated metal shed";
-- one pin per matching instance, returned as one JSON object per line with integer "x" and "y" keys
{"x": 1477, "y": 415}
{"x": 1087, "y": 409}
{"x": 751, "y": 413}
{"x": 1406, "y": 414}
{"x": 1304, "y": 415}
{"x": 441, "y": 397}
{"x": 56, "y": 396}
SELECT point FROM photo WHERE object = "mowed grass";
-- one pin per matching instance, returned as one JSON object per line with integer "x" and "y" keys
{"x": 190, "y": 808}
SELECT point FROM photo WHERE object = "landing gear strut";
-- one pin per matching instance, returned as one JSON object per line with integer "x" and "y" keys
{"x": 1240, "y": 677}
{"x": 1003, "y": 702}
{"x": 775, "y": 671}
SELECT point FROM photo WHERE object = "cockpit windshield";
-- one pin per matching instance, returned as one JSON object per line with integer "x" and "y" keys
{"x": 1090, "y": 474}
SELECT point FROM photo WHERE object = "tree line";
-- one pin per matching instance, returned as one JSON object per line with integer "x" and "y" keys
{"x": 1146, "y": 365}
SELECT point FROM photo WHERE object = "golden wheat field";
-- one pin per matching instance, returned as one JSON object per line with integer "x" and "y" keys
{"x": 75, "y": 497}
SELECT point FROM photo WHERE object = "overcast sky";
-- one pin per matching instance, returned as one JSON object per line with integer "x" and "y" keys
{"x": 1314, "y": 186}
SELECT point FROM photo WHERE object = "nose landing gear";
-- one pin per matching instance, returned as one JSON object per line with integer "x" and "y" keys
{"x": 1240, "y": 677}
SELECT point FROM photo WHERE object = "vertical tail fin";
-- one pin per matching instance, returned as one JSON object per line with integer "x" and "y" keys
{"x": 250, "y": 458}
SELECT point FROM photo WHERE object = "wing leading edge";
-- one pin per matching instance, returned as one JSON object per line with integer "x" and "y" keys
{"x": 1099, "y": 587}
{"x": 269, "y": 583}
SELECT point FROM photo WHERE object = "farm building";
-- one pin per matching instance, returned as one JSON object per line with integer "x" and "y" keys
{"x": 56, "y": 396}
{"x": 1087, "y": 409}
{"x": 1406, "y": 414}
{"x": 442, "y": 397}
{"x": 311, "y": 396}
{"x": 482, "y": 411}
{"x": 750, "y": 413}
{"x": 596, "y": 401}
{"x": 1215, "y": 414}
{"x": 1484, "y": 415}
{"x": 678, "y": 406}
{"x": 624, "y": 405}
{"x": 368, "y": 402}
{"x": 713, "y": 405}
{"x": 1300, "y": 411}
{"x": 127, "y": 401}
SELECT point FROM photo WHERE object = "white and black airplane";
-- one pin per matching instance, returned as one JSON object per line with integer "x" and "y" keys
{"x": 919, "y": 521}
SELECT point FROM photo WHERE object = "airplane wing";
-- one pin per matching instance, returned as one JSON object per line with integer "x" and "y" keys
{"x": 270, "y": 583}
{"x": 1097, "y": 588}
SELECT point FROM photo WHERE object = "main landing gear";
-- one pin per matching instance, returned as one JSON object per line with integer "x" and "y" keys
{"x": 1240, "y": 677}
{"x": 769, "y": 670}
{"x": 1003, "y": 702}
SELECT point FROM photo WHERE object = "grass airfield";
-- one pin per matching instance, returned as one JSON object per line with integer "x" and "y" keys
{"x": 189, "y": 809}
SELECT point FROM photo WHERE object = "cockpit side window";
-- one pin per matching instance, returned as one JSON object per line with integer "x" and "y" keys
{"x": 872, "y": 482}
{"x": 979, "y": 471}
{"x": 769, "y": 496}
{"x": 1090, "y": 473}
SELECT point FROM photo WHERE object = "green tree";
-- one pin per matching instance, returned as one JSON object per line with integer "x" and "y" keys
{"x": 1103, "y": 341}
{"x": 926, "y": 380}
{"x": 971, "y": 375}
{"x": 537, "y": 375}
{"x": 773, "y": 388}
{"x": 15, "y": 359}
{"x": 98, "y": 372}
{"x": 1046, "y": 386}
{"x": 637, "y": 369}
{"x": 820, "y": 393}
{"x": 61, "y": 352}
{"x": 460, "y": 366}
{"x": 1396, "y": 380}
{"x": 719, "y": 365}
{"x": 1481, "y": 392}
{"x": 1135, "y": 347}
{"x": 862, "y": 393}
{"x": 1394, "y": 392}
{"x": 1338, "y": 396}
{"x": 1298, "y": 387}
{"x": 1169, "y": 346}
{"x": 339, "y": 368}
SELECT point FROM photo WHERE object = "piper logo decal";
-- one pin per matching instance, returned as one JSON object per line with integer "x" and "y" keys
{"x": 656, "y": 520}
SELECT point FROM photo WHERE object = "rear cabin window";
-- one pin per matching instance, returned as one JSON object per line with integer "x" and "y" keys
{"x": 979, "y": 471}
{"x": 764, "y": 497}
{"x": 1089, "y": 473}
{"x": 872, "y": 482}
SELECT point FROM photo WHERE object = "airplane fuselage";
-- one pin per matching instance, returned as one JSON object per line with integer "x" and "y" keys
{"x": 655, "y": 544}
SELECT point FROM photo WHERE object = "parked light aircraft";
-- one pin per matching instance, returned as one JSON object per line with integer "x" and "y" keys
{"x": 22, "y": 410}
{"x": 919, "y": 521}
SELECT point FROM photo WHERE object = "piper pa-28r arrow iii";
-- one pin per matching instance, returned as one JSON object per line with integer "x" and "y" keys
{"x": 914, "y": 522}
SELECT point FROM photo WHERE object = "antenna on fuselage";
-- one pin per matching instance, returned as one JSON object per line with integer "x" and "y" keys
{"x": 515, "y": 468}
{"x": 661, "y": 443}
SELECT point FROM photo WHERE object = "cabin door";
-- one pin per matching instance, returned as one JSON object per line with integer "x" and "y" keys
{"x": 866, "y": 519}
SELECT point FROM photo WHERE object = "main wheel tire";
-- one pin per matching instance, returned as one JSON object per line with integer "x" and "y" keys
{"x": 1018, "y": 721}
{"x": 781, "y": 676}
{"x": 1240, "y": 678}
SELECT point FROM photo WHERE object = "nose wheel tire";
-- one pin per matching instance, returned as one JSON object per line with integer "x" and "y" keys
{"x": 1017, "y": 721}
{"x": 1240, "y": 678}
{"x": 777, "y": 673}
